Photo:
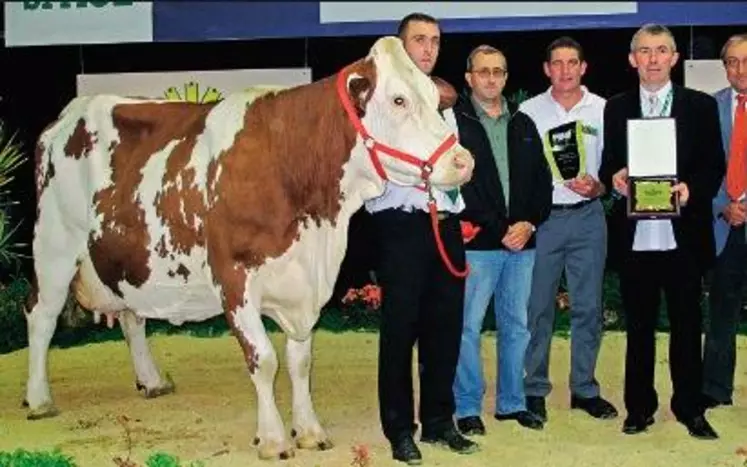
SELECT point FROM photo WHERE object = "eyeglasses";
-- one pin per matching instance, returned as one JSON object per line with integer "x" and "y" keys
{"x": 486, "y": 73}
{"x": 734, "y": 62}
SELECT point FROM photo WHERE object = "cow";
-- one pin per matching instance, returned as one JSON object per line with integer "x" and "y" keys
{"x": 154, "y": 209}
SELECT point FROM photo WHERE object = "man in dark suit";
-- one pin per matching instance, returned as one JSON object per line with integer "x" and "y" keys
{"x": 730, "y": 213}
{"x": 660, "y": 253}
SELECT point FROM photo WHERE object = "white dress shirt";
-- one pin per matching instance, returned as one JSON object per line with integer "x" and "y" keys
{"x": 655, "y": 234}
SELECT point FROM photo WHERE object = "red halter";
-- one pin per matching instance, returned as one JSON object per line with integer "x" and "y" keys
{"x": 426, "y": 167}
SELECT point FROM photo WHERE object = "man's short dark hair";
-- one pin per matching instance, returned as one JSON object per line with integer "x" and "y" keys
{"x": 564, "y": 42}
{"x": 402, "y": 28}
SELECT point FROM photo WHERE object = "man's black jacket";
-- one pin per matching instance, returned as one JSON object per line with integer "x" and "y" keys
{"x": 530, "y": 181}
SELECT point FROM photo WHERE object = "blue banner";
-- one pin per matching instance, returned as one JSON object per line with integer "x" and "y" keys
{"x": 219, "y": 20}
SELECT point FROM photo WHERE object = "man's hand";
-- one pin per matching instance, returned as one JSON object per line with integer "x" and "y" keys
{"x": 683, "y": 191}
{"x": 620, "y": 181}
{"x": 517, "y": 235}
{"x": 586, "y": 186}
{"x": 735, "y": 213}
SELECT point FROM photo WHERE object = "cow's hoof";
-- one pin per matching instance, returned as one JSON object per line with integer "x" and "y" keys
{"x": 275, "y": 451}
{"x": 310, "y": 440}
{"x": 47, "y": 410}
{"x": 151, "y": 393}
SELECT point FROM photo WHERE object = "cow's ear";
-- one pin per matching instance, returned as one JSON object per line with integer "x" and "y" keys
{"x": 446, "y": 92}
{"x": 360, "y": 89}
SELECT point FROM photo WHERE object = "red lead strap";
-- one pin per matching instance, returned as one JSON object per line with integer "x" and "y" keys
{"x": 426, "y": 167}
{"x": 433, "y": 210}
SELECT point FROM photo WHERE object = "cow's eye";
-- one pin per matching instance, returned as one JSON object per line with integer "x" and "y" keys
{"x": 399, "y": 101}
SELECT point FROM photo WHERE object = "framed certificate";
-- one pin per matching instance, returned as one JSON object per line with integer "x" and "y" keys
{"x": 652, "y": 168}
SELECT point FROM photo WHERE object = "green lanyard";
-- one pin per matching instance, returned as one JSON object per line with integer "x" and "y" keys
{"x": 667, "y": 103}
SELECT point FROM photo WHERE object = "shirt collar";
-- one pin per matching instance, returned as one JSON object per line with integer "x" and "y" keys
{"x": 734, "y": 95}
{"x": 583, "y": 102}
{"x": 481, "y": 112}
{"x": 661, "y": 94}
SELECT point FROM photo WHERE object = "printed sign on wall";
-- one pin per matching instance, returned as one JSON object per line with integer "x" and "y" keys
{"x": 192, "y": 86}
{"x": 334, "y": 12}
{"x": 77, "y": 22}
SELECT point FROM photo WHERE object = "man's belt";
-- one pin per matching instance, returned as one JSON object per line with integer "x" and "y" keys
{"x": 572, "y": 206}
{"x": 442, "y": 215}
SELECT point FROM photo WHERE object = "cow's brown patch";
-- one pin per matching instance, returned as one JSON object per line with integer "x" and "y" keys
{"x": 42, "y": 177}
{"x": 183, "y": 271}
{"x": 33, "y": 297}
{"x": 80, "y": 142}
{"x": 251, "y": 357}
{"x": 121, "y": 253}
{"x": 181, "y": 208}
{"x": 284, "y": 167}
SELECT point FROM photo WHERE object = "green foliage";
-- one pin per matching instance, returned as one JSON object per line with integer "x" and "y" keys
{"x": 161, "y": 459}
{"x": 518, "y": 97}
{"x": 11, "y": 157}
{"x": 349, "y": 318}
{"x": 24, "y": 458}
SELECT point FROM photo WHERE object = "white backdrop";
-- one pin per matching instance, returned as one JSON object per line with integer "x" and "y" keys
{"x": 195, "y": 86}
{"x": 334, "y": 12}
{"x": 705, "y": 75}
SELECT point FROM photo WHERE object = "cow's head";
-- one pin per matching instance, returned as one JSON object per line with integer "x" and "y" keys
{"x": 396, "y": 106}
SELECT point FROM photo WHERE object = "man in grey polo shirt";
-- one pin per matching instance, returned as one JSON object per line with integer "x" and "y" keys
{"x": 574, "y": 238}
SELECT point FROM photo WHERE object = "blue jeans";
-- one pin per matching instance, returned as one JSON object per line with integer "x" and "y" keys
{"x": 508, "y": 276}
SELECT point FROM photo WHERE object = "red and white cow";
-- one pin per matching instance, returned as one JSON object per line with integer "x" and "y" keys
{"x": 176, "y": 211}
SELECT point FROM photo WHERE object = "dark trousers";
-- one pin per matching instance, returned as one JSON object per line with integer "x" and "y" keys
{"x": 725, "y": 304}
{"x": 421, "y": 302}
{"x": 644, "y": 275}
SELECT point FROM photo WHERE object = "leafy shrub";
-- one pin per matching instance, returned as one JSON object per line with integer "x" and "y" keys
{"x": 11, "y": 158}
{"x": 161, "y": 459}
{"x": 24, "y": 458}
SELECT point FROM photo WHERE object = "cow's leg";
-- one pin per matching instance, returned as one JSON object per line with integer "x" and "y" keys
{"x": 148, "y": 378}
{"x": 262, "y": 362}
{"x": 43, "y": 307}
{"x": 307, "y": 431}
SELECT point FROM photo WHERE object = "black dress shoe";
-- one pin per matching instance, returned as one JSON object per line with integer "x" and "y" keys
{"x": 525, "y": 418}
{"x": 699, "y": 428}
{"x": 470, "y": 426}
{"x": 405, "y": 450}
{"x": 710, "y": 402}
{"x": 635, "y": 423}
{"x": 451, "y": 438}
{"x": 536, "y": 405}
{"x": 594, "y": 406}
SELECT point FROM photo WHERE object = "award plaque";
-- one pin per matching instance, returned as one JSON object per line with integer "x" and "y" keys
{"x": 564, "y": 151}
{"x": 652, "y": 168}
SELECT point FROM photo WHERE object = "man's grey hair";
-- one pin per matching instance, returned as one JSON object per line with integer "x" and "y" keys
{"x": 733, "y": 40}
{"x": 483, "y": 49}
{"x": 652, "y": 29}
